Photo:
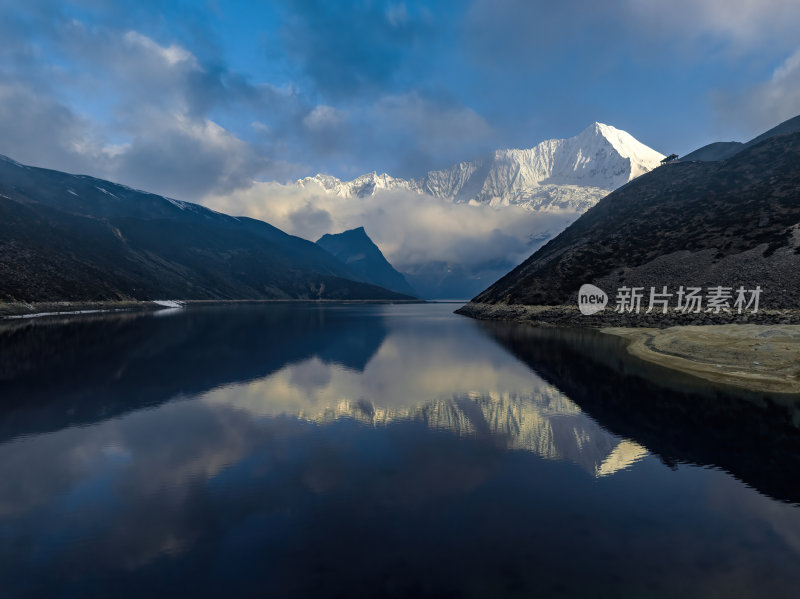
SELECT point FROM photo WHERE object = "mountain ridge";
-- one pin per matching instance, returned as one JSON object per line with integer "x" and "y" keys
{"x": 360, "y": 254}
{"x": 722, "y": 150}
{"x": 70, "y": 237}
{"x": 556, "y": 174}
{"x": 731, "y": 222}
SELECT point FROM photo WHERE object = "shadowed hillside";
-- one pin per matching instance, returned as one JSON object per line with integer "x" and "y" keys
{"x": 360, "y": 254}
{"x": 69, "y": 237}
{"x": 731, "y": 222}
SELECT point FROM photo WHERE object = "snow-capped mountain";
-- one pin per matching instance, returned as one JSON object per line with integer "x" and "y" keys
{"x": 360, "y": 187}
{"x": 555, "y": 175}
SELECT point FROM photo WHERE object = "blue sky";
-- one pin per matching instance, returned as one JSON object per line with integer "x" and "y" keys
{"x": 193, "y": 98}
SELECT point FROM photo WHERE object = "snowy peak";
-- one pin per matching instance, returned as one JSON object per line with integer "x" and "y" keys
{"x": 556, "y": 174}
{"x": 361, "y": 187}
{"x": 642, "y": 158}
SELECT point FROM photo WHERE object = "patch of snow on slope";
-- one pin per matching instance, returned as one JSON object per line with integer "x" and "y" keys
{"x": 178, "y": 203}
{"x": 168, "y": 303}
{"x": 105, "y": 191}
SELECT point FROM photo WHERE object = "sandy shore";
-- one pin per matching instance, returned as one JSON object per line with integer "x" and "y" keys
{"x": 763, "y": 358}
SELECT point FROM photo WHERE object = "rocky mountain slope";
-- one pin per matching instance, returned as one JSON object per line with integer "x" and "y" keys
{"x": 72, "y": 237}
{"x": 555, "y": 175}
{"x": 361, "y": 256}
{"x": 723, "y": 223}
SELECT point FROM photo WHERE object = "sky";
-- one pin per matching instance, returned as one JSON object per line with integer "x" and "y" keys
{"x": 193, "y": 98}
{"x": 226, "y": 103}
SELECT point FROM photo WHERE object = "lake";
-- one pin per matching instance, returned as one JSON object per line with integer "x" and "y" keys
{"x": 304, "y": 450}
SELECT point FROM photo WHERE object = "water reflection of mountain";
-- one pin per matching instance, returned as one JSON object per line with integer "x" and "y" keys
{"x": 754, "y": 437}
{"x": 446, "y": 372}
{"x": 544, "y": 422}
{"x": 77, "y": 371}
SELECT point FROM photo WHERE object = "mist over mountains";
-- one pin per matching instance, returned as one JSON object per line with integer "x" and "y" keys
{"x": 454, "y": 231}
{"x": 448, "y": 234}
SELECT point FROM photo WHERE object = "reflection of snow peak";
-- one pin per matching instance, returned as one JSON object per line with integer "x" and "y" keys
{"x": 555, "y": 175}
{"x": 546, "y": 423}
{"x": 624, "y": 455}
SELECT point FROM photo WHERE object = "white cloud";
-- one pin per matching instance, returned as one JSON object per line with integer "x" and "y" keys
{"x": 410, "y": 228}
{"x": 766, "y": 104}
{"x": 172, "y": 54}
{"x": 323, "y": 117}
{"x": 186, "y": 157}
{"x": 36, "y": 129}
{"x": 744, "y": 23}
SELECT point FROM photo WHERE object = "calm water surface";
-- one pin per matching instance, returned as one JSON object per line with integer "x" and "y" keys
{"x": 379, "y": 451}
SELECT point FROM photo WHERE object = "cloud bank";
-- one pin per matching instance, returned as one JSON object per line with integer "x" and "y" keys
{"x": 410, "y": 228}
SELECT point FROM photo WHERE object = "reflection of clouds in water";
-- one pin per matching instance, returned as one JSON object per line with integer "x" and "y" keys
{"x": 124, "y": 484}
{"x": 190, "y": 476}
{"x": 450, "y": 379}
{"x": 782, "y": 518}
{"x": 161, "y": 450}
{"x": 446, "y": 394}
{"x": 428, "y": 420}
{"x": 402, "y": 373}
{"x": 310, "y": 375}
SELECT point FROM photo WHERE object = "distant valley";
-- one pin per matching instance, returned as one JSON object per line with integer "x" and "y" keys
{"x": 551, "y": 184}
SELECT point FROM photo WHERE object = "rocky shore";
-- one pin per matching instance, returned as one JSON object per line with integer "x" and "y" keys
{"x": 570, "y": 316}
{"x": 14, "y": 310}
{"x": 19, "y": 310}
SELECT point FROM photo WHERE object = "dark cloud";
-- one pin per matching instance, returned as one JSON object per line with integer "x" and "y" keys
{"x": 212, "y": 159}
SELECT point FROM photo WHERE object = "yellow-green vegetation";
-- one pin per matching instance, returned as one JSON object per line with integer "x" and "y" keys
{"x": 763, "y": 358}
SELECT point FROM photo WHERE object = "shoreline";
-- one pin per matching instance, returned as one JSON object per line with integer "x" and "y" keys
{"x": 753, "y": 352}
{"x": 22, "y": 310}
{"x": 759, "y": 358}
{"x": 570, "y": 316}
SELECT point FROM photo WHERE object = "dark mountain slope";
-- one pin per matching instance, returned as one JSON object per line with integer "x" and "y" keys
{"x": 719, "y": 150}
{"x": 732, "y": 222}
{"x": 68, "y": 237}
{"x": 360, "y": 254}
